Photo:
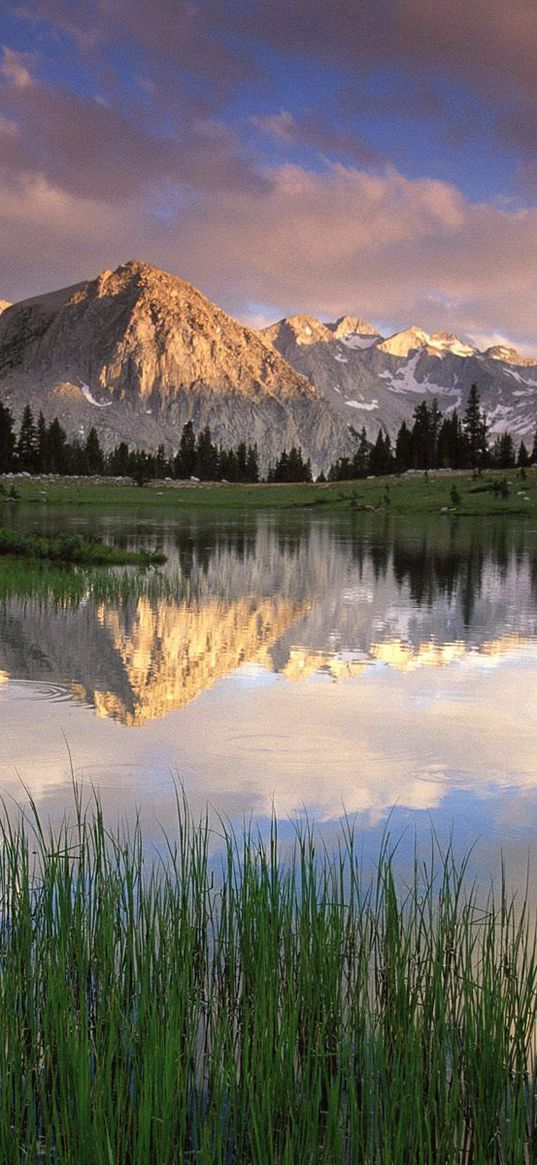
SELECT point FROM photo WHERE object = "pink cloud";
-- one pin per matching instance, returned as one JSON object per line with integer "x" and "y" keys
{"x": 342, "y": 241}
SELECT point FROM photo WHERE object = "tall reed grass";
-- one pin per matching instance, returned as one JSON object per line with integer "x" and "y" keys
{"x": 155, "y": 1012}
{"x": 69, "y": 586}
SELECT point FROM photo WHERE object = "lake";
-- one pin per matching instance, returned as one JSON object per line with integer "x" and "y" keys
{"x": 381, "y": 668}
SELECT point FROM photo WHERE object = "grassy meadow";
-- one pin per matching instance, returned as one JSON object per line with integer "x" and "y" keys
{"x": 257, "y": 1011}
{"x": 433, "y": 492}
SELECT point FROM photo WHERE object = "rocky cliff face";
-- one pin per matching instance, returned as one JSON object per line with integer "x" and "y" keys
{"x": 137, "y": 353}
{"x": 378, "y": 382}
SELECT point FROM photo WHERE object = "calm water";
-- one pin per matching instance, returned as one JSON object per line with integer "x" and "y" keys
{"x": 373, "y": 667}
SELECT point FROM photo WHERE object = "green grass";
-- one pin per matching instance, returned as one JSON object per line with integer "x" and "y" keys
{"x": 68, "y": 586}
{"x": 406, "y": 494}
{"x": 72, "y": 549}
{"x": 157, "y": 1013}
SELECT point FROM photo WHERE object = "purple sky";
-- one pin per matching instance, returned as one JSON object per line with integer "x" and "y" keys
{"x": 376, "y": 157}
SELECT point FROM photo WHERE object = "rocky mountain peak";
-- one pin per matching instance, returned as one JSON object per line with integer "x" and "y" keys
{"x": 138, "y": 352}
{"x": 508, "y": 355}
{"x": 405, "y": 342}
{"x": 352, "y": 326}
{"x": 300, "y": 329}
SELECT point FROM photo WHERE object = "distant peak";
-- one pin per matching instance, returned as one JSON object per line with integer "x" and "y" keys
{"x": 305, "y": 329}
{"x": 402, "y": 343}
{"x": 508, "y": 355}
{"x": 352, "y": 326}
{"x": 4, "y": 303}
{"x": 438, "y": 344}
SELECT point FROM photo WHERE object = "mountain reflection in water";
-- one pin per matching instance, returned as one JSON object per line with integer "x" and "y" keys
{"x": 301, "y": 600}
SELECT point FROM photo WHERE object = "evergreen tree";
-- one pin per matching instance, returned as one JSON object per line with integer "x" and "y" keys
{"x": 41, "y": 445}
{"x": 451, "y": 443}
{"x": 381, "y": 459}
{"x": 227, "y": 464}
{"x": 7, "y": 440}
{"x": 27, "y": 443}
{"x": 475, "y": 431}
{"x": 93, "y": 454}
{"x": 506, "y": 451}
{"x": 206, "y": 464}
{"x": 242, "y": 472}
{"x": 403, "y": 449}
{"x": 252, "y": 464}
{"x": 162, "y": 465}
{"x": 360, "y": 461}
{"x": 523, "y": 458}
{"x": 57, "y": 448}
{"x": 424, "y": 436}
{"x": 119, "y": 460}
{"x": 185, "y": 459}
{"x": 291, "y": 467}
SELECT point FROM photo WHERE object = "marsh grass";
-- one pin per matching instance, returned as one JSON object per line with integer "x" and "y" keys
{"x": 69, "y": 586}
{"x": 72, "y": 549}
{"x": 167, "y": 1011}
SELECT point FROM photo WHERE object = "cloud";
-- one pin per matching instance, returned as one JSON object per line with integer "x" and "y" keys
{"x": 178, "y": 36}
{"x": 391, "y": 249}
{"x": 313, "y": 131}
{"x": 86, "y": 147}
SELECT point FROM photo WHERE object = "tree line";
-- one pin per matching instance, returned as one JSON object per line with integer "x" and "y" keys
{"x": 41, "y": 447}
{"x": 436, "y": 441}
{"x": 433, "y": 441}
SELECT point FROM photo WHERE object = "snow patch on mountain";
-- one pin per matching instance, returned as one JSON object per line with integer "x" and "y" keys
{"x": 356, "y": 341}
{"x": 362, "y": 404}
{"x": 404, "y": 380}
{"x": 99, "y": 404}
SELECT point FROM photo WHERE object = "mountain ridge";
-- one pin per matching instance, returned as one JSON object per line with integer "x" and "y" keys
{"x": 158, "y": 353}
{"x": 381, "y": 379}
{"x": 137, "y": 352}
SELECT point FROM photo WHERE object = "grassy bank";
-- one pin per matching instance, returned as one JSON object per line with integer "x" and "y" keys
{"x": 73, "y": 549}
{"x": 449, "y": 494}
{"x": 269, "y": 1014}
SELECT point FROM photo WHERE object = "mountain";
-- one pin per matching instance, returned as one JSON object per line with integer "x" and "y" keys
{"x": 381, "y": 380}
{"x": 137, "y": 353}
{"x": 3, "y": 305}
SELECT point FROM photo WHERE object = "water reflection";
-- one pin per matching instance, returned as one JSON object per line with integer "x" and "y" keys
{"x": 355, "y": 665}
{"x": 313, "y": 599}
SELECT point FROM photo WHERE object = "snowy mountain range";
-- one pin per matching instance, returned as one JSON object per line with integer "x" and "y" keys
{"x": 137, "y": 353}
{"x": 379, "y": 381}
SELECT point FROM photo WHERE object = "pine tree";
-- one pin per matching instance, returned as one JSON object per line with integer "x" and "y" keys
{"x": 41, "y": 445}
{"x": 523, "y": 458}
{"x": 252, "y": 464}
{"x": 403, "y": 448}
{"x": 27, "y": 443}
{"x": 206, "y": 464}
{"x": 381, "y": 459}
{"x": 185, "y": 459}
{"x": 360, "y": 461}
{"x": 57, "y": 448}
{"x": 7, "y": 440}
{"x": 93, "y": 453}
{"x": 475, "y": 431}
{"x": 118, "y": 460}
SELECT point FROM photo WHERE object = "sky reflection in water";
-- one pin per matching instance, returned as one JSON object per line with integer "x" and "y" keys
{"x": 309, "y": 666}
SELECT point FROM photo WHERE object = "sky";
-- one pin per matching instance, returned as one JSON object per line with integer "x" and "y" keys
{"x": 370, "y": 157}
